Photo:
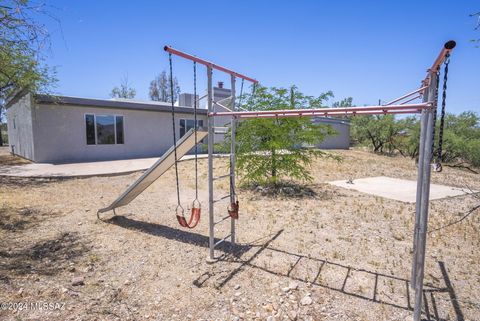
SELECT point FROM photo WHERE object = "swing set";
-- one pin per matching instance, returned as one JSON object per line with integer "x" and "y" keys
{"x": 428, "y": 93}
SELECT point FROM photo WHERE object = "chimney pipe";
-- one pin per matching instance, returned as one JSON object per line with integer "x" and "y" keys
{"x": 220, "y": 84}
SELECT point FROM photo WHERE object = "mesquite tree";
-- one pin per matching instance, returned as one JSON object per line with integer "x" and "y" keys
{"x": 269, "y": 150}
{"x": 125, "y": 90}
{"x": 23, "y": 40}
{"x": 160, "y": 88}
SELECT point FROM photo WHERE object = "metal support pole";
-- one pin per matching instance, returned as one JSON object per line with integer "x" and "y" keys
{"x": 233, "y": 197}
{"x": 424, "y": 204}
{"x": 210, "y": 139}
{"x": 423, "y": 125}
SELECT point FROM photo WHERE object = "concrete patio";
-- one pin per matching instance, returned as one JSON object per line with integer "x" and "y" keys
{"x": 103, "y": 168}
{"x": 398, "y": 189}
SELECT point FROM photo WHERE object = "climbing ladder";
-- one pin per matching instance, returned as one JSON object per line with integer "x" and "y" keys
{"x": 225, "y": 216}
{"x": 231, "y": 210}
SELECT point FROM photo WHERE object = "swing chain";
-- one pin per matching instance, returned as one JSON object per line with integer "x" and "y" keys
{"x": 241, "y": 94}
{"x": 435, "y": 112}
{"x": 438, "y": 167}
{"x": 174, "y": 133}
{"x": 196, "y": 128}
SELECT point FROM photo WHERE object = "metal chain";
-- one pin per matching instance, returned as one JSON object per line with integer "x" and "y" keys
{"x": 254, "y": 89}
{"x": 174, "y": 131}
{"x": 232, "y": 185}
{"x": 195, "y": 125}
{"x": 435, "y": 114}
{"x": 241, "y": 94}
{"x": 442, "y": 116}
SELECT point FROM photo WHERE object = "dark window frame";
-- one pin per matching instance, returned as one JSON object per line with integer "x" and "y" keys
{"x": 185, "y": 127}
{"x": 115, "y": 130}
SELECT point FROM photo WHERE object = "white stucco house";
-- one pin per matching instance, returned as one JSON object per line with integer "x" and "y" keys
{"x": 62, "y": 129}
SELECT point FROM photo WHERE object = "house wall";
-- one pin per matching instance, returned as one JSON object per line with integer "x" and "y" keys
{"x": 60, "y": 134}
{"x": 339, "y": 141}
{"x": 20, "y": 127}
{"x": 57, "y": 133}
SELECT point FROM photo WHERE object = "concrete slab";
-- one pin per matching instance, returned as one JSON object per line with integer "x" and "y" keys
{"x": 398, "y": 189}
{"x": 103, "y": 168}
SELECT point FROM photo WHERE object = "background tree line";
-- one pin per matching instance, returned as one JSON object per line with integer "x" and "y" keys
{"x": 389, "y": 135}
{"x": 159, "y": 89}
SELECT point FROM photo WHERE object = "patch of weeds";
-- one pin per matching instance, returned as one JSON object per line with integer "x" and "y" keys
{"x": 28, "y": 182}
{"x": 18, "y": 219}
{"x": 283, "y": 189}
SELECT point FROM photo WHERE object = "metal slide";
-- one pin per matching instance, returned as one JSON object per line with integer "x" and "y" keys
{"x": 184, "y": 144}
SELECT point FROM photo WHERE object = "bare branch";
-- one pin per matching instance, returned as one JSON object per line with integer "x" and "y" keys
{"x": 457, "y": 221}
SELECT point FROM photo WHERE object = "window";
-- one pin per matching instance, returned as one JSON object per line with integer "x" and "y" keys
{"x": 187, "y": 124}
{"x": 104, "y": 129}
{"x": 90, "y": 127}
{"x": 119, "y": 129}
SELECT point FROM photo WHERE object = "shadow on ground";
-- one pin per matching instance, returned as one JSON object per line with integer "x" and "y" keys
{"x": 352, "y": 281}
{"x": 293, "y": 191}
{"x": 45, "y": 257}
{"x": 28, "y": 182}
{"x": 356, "y": 282}
{"x": 175, "y": 234}
{"x": 19, "y": 219}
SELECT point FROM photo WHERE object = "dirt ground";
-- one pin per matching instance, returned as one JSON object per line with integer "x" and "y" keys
{"x": 8, "y": 159}
{"x": 319, "y": 253}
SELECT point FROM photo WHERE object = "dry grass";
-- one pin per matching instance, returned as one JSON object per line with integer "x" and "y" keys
{"x": 8, "y": 159}
{"x": 350, "y": 251}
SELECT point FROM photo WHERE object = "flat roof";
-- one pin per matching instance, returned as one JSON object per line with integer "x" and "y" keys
{"x": 113, "y": 103}
{"x": 131, "y": 104}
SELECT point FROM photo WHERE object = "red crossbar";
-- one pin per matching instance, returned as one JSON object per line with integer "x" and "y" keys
{"x": 386, "y": 112}
{"x": 364, "y": 110}
{"x": 207, "y": 63}
{"x": 447, "y": 48}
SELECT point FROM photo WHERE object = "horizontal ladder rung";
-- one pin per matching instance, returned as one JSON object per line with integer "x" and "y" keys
{"x": 221, "y": 198}
{"x": 222, "y": 240}
{"x": 223, "y": 219}
{"x": 220, "y": 130}
{"x": 223, "y": 176}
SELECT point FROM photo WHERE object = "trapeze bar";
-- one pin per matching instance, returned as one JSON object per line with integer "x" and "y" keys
{"x": 207, "y": 63}
{"x": 392, "y": 109}
{"x": 421, "y": 89}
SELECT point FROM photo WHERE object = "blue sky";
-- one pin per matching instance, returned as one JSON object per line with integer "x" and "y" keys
{"x": 369, "y": 50}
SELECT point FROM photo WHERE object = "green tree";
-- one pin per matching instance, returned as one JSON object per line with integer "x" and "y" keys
{"x": 270, "y": 150}
{"x": 125, "y": 91}
{"x": 22, "y": 43}
{"x": 407, "y": 143}
{"x": 346, "y": 102}
{"x": 378, "y": 131}
{"x": 462, "y": 138}
{"x": 160, "y": 88}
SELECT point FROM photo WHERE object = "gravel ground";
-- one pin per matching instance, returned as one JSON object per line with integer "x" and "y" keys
{"x": 317, "y": 252}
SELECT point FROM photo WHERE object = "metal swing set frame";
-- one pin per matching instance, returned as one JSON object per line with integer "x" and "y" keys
{"x": 428, "y": 92}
